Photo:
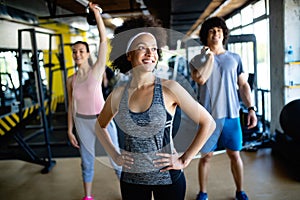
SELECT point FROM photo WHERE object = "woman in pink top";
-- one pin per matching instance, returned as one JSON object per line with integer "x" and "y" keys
{"x": 86, "y": 101}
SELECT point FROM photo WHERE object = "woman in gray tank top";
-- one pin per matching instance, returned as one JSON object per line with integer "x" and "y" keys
{"x": 143, "y": 108}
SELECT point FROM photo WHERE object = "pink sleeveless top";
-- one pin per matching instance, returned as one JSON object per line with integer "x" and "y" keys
{"x": 87, "y": 96}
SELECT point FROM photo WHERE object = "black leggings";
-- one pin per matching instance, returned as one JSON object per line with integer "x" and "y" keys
{"x": 175, "y": 191}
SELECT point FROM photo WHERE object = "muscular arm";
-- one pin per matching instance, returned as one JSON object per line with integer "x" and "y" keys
{"x": 244, "y": 89}
{"x": 245, "y": 93}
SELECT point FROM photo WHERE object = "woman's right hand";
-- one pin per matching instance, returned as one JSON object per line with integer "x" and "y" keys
{"x": 124, "y": 159}
{"x": 73, "y": 140}
{"x": 95, "y": 7}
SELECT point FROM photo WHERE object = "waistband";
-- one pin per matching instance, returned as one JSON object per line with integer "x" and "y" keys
{"x": 87, "y": 116}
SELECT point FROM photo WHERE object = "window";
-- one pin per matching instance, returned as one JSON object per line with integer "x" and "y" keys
{"x": 247, "y": 15}
{"x": 236, "y": 20}
{"x": 259, "y": 9}
{"x": 253, "y": 19}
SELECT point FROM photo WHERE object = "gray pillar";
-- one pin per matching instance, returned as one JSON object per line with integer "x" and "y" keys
{"x": 277, "y": 47}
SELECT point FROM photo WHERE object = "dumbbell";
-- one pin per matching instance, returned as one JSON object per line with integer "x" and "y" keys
{"x": 90, "y": 18}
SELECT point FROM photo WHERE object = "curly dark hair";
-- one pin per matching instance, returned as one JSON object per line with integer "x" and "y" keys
{"x": 131, "y": 27}
{"x": 211, "y": 23}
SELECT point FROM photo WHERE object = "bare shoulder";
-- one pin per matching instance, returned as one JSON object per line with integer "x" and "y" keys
{"x": 171, "y": 85}
{"x": 118, "y": 92}
{"x": 70, "y": 79}
{"x": 115, "y": 98}
{"x": 173, "y": 91}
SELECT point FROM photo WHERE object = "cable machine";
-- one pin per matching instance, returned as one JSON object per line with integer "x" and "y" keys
{"x": 44, "y": 101}
{"x": 62, "y": 68}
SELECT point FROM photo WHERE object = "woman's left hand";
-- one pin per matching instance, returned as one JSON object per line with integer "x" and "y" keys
{"x": 169, "y": 161}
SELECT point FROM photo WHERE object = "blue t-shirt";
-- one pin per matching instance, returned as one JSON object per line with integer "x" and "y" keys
{"x": 219, "y": 95}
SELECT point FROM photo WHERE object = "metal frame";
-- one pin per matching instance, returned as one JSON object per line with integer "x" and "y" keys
{"x": 47, "y": 162}
{"x": 244, "y": 39}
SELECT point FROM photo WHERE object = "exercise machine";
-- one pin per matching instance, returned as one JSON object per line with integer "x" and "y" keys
{"x": 287, "y": 141}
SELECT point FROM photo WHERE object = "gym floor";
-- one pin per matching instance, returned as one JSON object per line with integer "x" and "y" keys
{"x": 266, "y": 178}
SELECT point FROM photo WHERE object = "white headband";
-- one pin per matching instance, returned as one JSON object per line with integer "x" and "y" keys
{"x": 134, "y": 37}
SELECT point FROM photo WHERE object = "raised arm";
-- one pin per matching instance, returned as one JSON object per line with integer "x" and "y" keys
{"x": 100, "y": 64}
{"x": 201, "y": 66}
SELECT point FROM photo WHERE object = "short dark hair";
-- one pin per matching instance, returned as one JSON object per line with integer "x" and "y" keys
{"x": 131, "y": 27}
{"x": 84, "y": 43}
{"x": 211, "y": 23}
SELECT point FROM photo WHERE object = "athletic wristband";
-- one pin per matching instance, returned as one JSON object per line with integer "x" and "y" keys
{"x": 252, "y": 108}
{"x": 100, "y": 9}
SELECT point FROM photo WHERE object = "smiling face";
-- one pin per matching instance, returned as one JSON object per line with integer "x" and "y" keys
{"x": 143, "y": 52}
{"x": 80, "y": 54}
{"x": 215, "y": 36}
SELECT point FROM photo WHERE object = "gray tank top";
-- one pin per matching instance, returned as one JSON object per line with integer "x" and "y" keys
{"x": 146, "y": 134}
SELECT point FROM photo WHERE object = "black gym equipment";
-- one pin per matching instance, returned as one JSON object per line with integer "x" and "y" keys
{"x": 18, "y": 125}
{"x": 287, "y": 143}
{"x": 52, "y": 69}
{"x": 8, "y": 91}
{"x": 290, "y": 120}
{"x": 47, "y": 161}
{"x": 5, "y": 100}
{"x": 90, "y": 18}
